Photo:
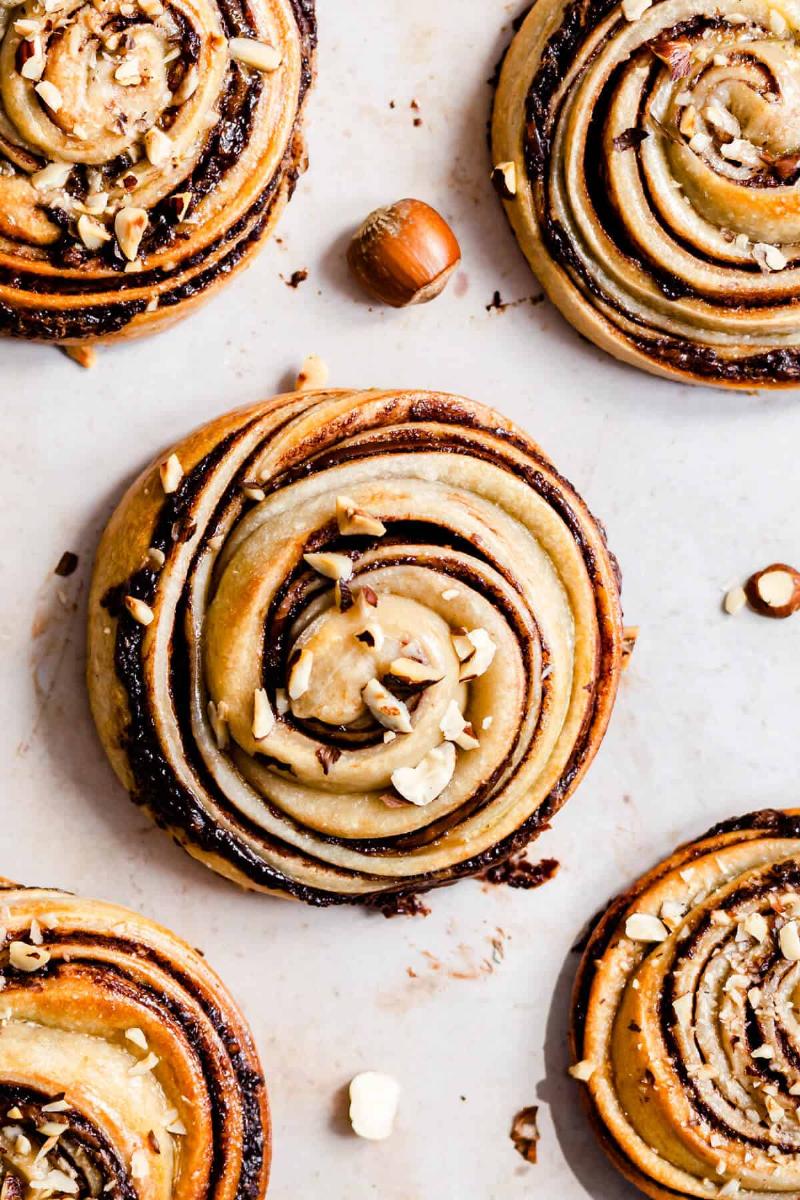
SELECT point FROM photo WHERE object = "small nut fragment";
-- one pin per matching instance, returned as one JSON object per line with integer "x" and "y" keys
{"x": 504, "y": 180}
{"x": 354, "y": 520}
{"x": 136, "y": 1035}
{"x": 140, "y": 611}
{"x": 404, "y": 254}
{"x": 734, "y": 601}
{"x": 645, "y": 927}
{"x": 313, "y": 374}
{"x": 256, "y": 54}
{"x": 263, "y": 716}
{"x": 84, "y": 356}
{"x": 476, "y": 655}
{"x": 457, "y": 729}
{"x": 50, "y": 94}
{"x": 332, "y": 566}
{"x": 24, "y": 957}
{"x": 390, "y": 712}
{"x": 421, "y": 784}
{"x": 410, "y": 674}
{"x": 775, "y": 591}
{"x": 373, "y": 1105}
{"x": 583, "y": 1070}
{"x": 300, "y": 675}
{"x": 129, "y": 226}
{"x": 684, "y": 1008}
{"x": 218, "y": 717}
{"x": 630, "y": 635}
{"x": 157, "y": 146}
{"x": 54, "y": 175}
{"x": 755, "y": 924}
{"x": 92, "y": 233}
{"x": 789, "y": 938}
{"x": 171, "y": 474}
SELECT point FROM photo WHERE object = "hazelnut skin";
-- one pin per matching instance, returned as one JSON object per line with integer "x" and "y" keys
{"x": 404, "y": 254}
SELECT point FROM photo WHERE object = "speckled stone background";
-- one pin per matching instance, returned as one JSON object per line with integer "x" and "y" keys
{"x": 467, "y": 1007}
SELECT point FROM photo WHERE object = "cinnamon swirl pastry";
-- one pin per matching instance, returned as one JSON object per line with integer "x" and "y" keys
{"x": 685, "y": 1027}
{"x": 125, "y": 1069}
{"x": 649, "y": 155}
{"x": 348, "y": 644}
{"x": 147, "y": 147}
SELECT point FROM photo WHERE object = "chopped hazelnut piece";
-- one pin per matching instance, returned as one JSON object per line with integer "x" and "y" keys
{"x": 54, "y": 175}
{"x": 300, "y": 675}
{"x": 171, "y": 474}
{"x": 129, "y": 226}
{"x": 354, "y": 520}
{"x": 92, "y": 233}
{"x": 24, "y": 957}
{"x": 49, "y": 93}
{"x": 332, "y": 566}
{"x": 386, "y": 708}
{"x": 684, "y": 1007}
{"x": 504, "y": 180}
{"x": 218, "y": 718}
{"x": 84, "y": 356}
{"x": 644, "y": 927}
{"x": 313, "y": 374}
{"x": 734, "y": 601}
{"x": 140, "y": 611}
{"x": 263, "y": 716}
{"x": 373, "y": 1105}
{"x": 456, "y": 729}
{"x": 157, "y": 146}
{"x": 136, "y": 1036}
{"x": 478, "y": 661}
{"x": 583, "y": 1070}
{"x": 422, "y": 784}
{"x": 255, "y": 54}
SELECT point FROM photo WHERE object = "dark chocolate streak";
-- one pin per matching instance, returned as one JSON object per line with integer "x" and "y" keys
{"x": 780, "y": 365}
{"x": 771, "y": 822}
{"x": 225, "y": 145}
{"x": 176, "y": 808}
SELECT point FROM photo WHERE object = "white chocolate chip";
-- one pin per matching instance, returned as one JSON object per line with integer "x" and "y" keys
{"x": 421, "y": 785}
{"x": 374, "y": 1099}
{"x": 645, "y": 927}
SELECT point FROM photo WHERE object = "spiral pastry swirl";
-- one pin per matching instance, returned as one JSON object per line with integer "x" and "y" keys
{"x": 365, "y": 643}
{"x": 125, "y": 1069}
{"x": 653, "y": 154}
{"x": 147, "y": 147}
{"x": 684, "y": 1020}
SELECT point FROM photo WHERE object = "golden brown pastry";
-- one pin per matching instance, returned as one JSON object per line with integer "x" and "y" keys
{"x": 685, "y": 1029}
{"x": 650, "y": 157}
{"x": 147, "y": 148}
{"x": 126, "y": 1071}
{"x": 346, "y": 644}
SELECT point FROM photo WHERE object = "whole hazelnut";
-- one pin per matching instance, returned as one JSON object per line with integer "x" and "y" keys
{"x": 404, "y": 254}
{"x": 775, "y": 591}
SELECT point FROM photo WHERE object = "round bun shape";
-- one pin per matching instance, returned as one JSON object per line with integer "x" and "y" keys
{"x": 654, "y": 167}
{"x": 147, "y": 148}
{"x": 363, "y": 644}
{"x": 684, "y": 1023}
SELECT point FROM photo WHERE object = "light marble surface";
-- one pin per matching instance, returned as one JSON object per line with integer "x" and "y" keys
{"x": 697, "y": 488}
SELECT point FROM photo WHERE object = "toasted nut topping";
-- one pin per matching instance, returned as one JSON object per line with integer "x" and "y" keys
{"x": 187, "y": 87}
{"x": 373, "y": 1105}
{"x": 633, "y": 9}
{"x": 630, "y": 636}
{"x": 128, "y": 73}
{"x": 684, "y": 1009}
{"x": 50, "y": 94}
{"x": 583, "y": 1070}
{"x": 764, "y": 1052}
{"x": 27, "y": 958}
{"x": 456, "y": 729}
{"x": 182, "y": 200}
{"x": 769, "y": 258}
{"x": 504, "y": 180}
{"x": 171, "y": 473}
{"x": 140, "y": 611}
{"x": 300, "y": 675}
{"x": 734, "y": 601}
{"x": 479, "y": 659}
{"x": 644, "y": 927}
{"x": 775, "y": 591}
{"x": 332, "y": 566}
{"x": 354, "y": 520}
{"x": 313, "y": 374}
{"x": 144, "y": 1065}
{"x": 84, "y": 356}
{"x": 372, "y": 635}
{"x": 129, "y": 226}
{"x": 281, "y": 701}
{"x": 218, "y": 717}
{"x": 756, "y": 925}
{"x": 789, "y": 939}
{"x": 33, "y": 67}
{"x": 136, "y": 1036}
{"x": 54, "y": 175}
{"x": 156, "y": 558}
{"x": 263, "y": 716}
{"x": 410, "y": 673}
{"x": 421, "y": 785}
{"x": 386, "y": 708}
{"x": 92, "y": 233}
{"x": 255, "y": 54}
{"x": 157, "y": 146}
